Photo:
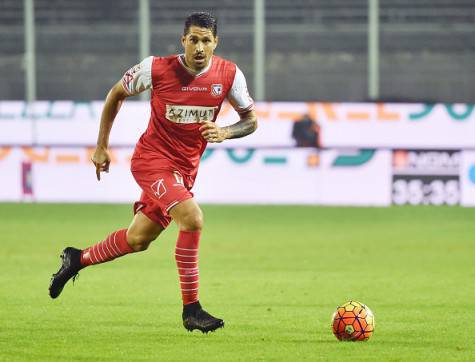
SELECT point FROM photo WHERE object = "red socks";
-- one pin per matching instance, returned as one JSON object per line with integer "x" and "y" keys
{"x": 112, "y": 247}
{"x": 186, "y": 256}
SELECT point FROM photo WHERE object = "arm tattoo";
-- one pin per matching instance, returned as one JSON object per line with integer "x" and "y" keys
{"x": 242, "y": 128}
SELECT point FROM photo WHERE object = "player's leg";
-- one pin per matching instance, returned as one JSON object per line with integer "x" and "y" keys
{"x": 189, "y": 218}
{"x": 141, "y": 232}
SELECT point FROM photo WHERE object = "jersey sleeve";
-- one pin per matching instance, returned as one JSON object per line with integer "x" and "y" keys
{"x": 138, "y": 78}
{"x": 238, "y": 95}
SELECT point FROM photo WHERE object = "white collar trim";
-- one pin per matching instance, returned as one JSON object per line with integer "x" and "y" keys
{"x": 196, "y": 74}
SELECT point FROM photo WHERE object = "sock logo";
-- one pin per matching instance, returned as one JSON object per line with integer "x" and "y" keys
{"x": 158, "y": 188}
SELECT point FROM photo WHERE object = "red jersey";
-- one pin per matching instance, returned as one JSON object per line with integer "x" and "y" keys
{"x": 180, "y": 100}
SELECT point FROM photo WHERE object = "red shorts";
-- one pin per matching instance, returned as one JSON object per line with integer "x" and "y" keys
{"x": 162, "y": 188}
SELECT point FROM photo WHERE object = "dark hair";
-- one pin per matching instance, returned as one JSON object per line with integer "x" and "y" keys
{"x": 202, "y": 20}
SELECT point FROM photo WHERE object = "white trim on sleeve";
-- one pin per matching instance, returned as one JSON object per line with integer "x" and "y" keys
{"x": 138, "y": 78}
{"x": 238, "y": 95}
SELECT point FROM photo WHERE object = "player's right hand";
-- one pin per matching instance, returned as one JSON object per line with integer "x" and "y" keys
{"x": 101, "y": 159}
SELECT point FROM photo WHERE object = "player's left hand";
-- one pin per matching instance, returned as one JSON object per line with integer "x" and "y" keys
{"x": 212, "y": 133}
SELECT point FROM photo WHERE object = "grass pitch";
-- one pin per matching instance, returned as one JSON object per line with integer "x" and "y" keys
{"x": 274, "y": 273}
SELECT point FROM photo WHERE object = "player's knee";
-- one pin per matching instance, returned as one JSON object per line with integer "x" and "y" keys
{"x": 192, "y": 221}
{"x": 139, "y": 242}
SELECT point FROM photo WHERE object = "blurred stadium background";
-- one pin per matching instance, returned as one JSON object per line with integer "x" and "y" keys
{"x": 317, "y": 48}
{"x": 360, "y": 102}
{"x": 330, "y": 65}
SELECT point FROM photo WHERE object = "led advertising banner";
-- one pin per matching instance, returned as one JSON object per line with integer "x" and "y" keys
{"x": 315, "y": 153}
{"x": 243, "y": 176}
{"x": 387, "y": 125}
{"x": 281, "y": 124}
{"x": 296, "y": 176}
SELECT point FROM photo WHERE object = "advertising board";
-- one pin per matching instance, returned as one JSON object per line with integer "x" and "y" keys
{"x": 358, "y": 125}
{"x": 426, "y": 177}
{"x": 244, "y": 176}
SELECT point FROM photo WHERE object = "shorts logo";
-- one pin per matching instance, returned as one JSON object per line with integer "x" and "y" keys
{"x": 216, "y": 90}
{"x": 158, "y": 188}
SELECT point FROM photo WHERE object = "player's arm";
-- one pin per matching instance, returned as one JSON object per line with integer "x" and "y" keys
{"x": 114, "y": 100}
{"x": 243, "y": 104}
{"x": 245, "y": 126}
{"x": 136, "y": 80}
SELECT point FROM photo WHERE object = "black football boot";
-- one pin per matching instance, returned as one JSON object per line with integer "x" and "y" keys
{"x": 195, "y": 317}
{"x": 71, "y": 265}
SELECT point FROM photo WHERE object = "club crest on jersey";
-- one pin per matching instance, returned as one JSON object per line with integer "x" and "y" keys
{"x": 216, "y": 89}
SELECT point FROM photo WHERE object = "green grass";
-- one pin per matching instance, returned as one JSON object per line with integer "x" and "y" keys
{"x": 274, "y": 273}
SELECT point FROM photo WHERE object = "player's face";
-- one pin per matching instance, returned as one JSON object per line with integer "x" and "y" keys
{"x": 199, "y": 46}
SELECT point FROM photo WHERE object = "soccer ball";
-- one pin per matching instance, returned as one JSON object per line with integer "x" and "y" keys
{"x": 353, "y": 321}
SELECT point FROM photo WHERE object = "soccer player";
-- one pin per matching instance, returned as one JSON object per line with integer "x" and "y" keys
{"x": 187, "y": 92}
